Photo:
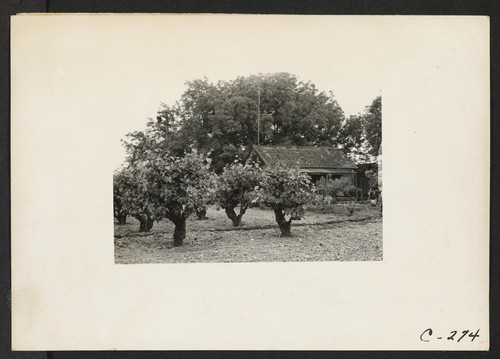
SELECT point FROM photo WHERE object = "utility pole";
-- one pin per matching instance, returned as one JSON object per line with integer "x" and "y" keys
{"x": 258, "y": 119}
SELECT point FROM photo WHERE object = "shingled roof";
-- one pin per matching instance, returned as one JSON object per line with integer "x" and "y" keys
{"x": 305, "y": 157}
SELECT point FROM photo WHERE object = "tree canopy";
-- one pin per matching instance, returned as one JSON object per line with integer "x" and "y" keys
{"x": 221, "y": 119}
{"x": 373, "y": 125}
{"x": 361, "y": 134}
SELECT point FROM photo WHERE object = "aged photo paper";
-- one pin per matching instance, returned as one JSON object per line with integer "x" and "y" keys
{"x": 81, "y": 82}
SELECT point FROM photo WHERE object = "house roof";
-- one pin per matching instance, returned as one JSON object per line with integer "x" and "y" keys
{"x": 309, "y": 158}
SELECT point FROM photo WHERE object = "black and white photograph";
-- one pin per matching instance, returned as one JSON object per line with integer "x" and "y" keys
{"x": 249, "y": 182}
{"x": 263, "y": 167}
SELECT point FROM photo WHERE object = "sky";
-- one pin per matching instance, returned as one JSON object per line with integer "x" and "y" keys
{"x": 119, "y": 69}
{"x": 159, "y": 55}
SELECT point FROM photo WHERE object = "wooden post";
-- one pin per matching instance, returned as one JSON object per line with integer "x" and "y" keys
{"x": 258, "y": 120}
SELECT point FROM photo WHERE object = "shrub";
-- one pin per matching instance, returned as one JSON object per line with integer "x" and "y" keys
{"x": 372, "y": 176}
{"x": 350, "y": 191}
{"x": 359, "y": 194}
{"x": 374, "y": 192}
{"x": 322, "y": 202}
{"x": 334, "y": 188}
{"x": 350, "y": 209}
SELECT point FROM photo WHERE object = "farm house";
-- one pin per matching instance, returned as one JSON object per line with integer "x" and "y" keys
{"x": 316, "y": 161}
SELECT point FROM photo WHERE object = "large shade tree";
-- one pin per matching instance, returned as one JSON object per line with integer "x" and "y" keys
{"x": 361, "y": 134}
{"x": 221, "y": 118}
{"x": 373, "y": 125}
{"x": 352, "y": 134}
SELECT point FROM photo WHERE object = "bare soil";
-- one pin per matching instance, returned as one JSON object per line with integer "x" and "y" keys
{"x": 321, "y": 236}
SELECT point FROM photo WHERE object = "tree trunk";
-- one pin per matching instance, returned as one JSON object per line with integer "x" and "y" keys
{"x": 201, "y": 214}
{"x": 149, "y": 223}
{"x": 179, "y": 232}
{"x": 145, "y": 222}
{"x": 122, "y": 218}
{"x": 285, "y": 226}
{"x": 231, "y": 214}
{"x": 142, "y": 222}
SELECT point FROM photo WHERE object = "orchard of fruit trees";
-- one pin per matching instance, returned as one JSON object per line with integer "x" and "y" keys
{"x": 192, "y": 155}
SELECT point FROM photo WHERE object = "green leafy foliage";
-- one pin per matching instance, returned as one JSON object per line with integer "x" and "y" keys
{"x": 177, "y": 185}
{"x": 352, "y": 134}
{"x": 119, "y": 211}
{"x": 221, "y": 119}
{"x": 287, "y": 191}
{"x": 327, "y": 186}
{"x": 350, "y": 191}
{"x": 359, "y": 194}
{"x": 237, "y": 186}
{"x": 373, "y": 125}
{"x": 161, "y": 185}
{"x": 165, "y": 178}
{"x": 322, "y": 202}
{"x": 160, "y": 138}
{"x": 361, "y": 134}
{"x": 131, "y": 184}
{"x": 372, "y": 176}
{"x": 212, "y": 127}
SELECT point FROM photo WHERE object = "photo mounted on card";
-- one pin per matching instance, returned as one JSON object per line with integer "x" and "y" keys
{"x": 215, "y": 182}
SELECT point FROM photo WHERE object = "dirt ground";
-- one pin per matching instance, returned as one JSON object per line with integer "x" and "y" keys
{"x": 321, "y": 236}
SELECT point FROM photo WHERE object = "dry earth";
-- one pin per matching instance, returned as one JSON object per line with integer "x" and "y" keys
{"x": 321, "y": 236}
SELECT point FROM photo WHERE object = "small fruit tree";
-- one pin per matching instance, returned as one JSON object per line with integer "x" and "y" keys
{"x": 237, "y": 186}
{"x": 118, "y": 210}
{"x": 165, "y": 179}
{"x": 287, "y": 191}
{"x": 176, "y": 187}
{"x": 131, "y": 182}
